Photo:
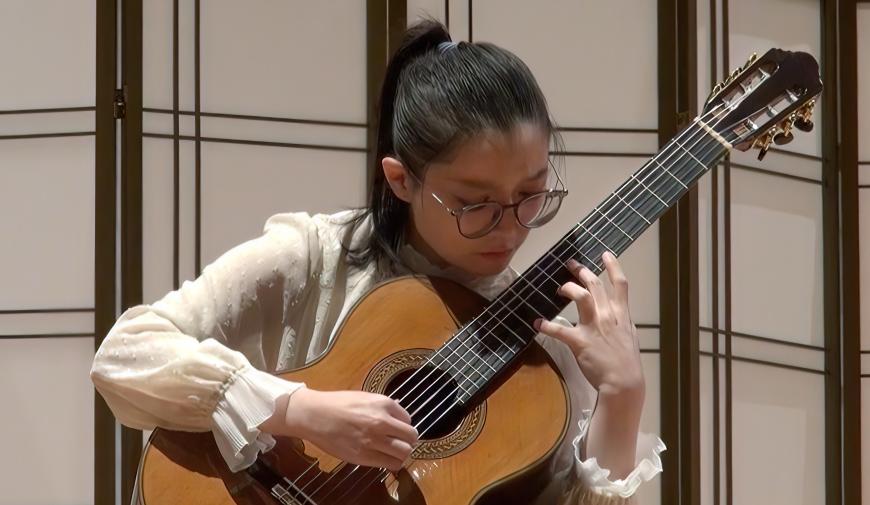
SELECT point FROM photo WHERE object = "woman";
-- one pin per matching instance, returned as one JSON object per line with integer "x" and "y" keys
{"x": 463, "y": 134}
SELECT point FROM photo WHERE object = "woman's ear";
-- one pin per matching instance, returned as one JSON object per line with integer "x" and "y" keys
{"x": 398, "y": 178}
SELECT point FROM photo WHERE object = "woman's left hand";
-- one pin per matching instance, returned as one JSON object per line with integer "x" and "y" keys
{"x": 605, "y": 340}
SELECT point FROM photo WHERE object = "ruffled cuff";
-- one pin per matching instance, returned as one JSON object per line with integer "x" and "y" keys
{"x": 248, "y": 400}
{"x": 594, "y": 479}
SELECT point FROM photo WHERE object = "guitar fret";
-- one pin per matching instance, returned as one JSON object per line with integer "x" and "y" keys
{"x": 598, "y": 239}
{"x": 651, "y": 191}
{"x": 703, "y": 166}
{"x": 672, "y": 175}
{"x": 596, "y": 209}
{"x": 647, "y": 221}
{"x": 611, "y": 226}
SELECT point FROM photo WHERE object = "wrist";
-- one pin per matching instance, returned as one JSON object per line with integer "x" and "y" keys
{"x": 289, "y": 414}
{"x": 626, "y": 398}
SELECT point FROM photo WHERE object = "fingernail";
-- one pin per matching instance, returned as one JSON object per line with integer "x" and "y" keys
{"x": 572, "y": 263}
{"x": 537, "y": 324}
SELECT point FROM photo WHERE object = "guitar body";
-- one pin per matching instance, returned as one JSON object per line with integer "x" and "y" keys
{"x": 497, "y": 452}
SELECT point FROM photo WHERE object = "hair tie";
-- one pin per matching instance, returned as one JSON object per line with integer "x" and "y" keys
{"x": 446, "y": 46}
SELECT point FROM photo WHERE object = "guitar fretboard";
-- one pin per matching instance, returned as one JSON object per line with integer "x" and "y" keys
{"x": 486, "y": 346}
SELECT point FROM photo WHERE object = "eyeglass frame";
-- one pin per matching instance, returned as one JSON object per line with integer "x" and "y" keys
{"x": 457, "y": 213}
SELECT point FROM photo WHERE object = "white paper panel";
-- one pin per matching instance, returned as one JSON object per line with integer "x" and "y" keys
{"x": 705, "y": 375}
{"x": 864, "y": 251}
{"x": 563, "y": 42}
{"x": 277, "y": 131}
{"x": 863, "y": 24}
{"x": 187, "y": 55}
{"x": 159, "y": 123}
{"x": 418, "y": 9}
{"x": 776, "y": 257}
{"x": 606, "y": 142}
{"x": 47, "y": 48}
{"x": 705, "y": 251}
{"x": 864, "y": 172}
{"x": 157, "y": 52}
{"x": 268, "y": 67}
{"x": 458, "y": 22}
{"x": 47, "y": 200}
{"x": 48, "y": 122}
{"x": 259, "y": 130}
{"x": 48, "y": 405}
{"x": 781, "y": 163}
{"x": 865, "y": 363}
{"x": 705, "y": 341}
{"x": 46, "y": 323}
{"x": 777, "y": 353}
{"x": 779, "y": 434}
{"x": 187, "y": 125}
{"x": 648, "y": 338}
{"x": 157, "y": 219}
{"x": 590, "y": 180}
{"x": 650, "y": 422}
{"x": 187, "y": 210}
{"x": 705, "y": 32}
{"x": 243, "y": 185}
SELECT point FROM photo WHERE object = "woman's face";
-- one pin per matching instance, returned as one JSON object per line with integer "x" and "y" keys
{"x": 500, "y": 167}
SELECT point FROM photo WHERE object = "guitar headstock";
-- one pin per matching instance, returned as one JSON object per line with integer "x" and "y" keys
{"x": 764, "y": 100}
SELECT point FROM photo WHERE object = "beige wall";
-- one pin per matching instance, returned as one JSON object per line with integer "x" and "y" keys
{"x": 46, "y": 252}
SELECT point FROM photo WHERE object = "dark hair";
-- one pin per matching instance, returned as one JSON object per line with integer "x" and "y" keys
{"x": 435, "y": 95}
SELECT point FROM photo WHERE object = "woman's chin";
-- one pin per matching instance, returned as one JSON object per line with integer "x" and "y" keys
{"x": 486, "y": 264}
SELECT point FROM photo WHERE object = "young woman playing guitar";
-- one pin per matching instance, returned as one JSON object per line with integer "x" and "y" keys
{"x": 463, "y": 173}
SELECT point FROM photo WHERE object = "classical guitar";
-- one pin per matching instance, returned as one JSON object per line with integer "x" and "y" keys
{"x": 488, "y": 402}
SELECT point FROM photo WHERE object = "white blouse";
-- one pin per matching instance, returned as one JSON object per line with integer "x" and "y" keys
{"x": 197, "y": 359}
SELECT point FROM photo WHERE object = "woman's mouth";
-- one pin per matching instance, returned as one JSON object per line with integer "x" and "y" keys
{"x": 497, "y": 254}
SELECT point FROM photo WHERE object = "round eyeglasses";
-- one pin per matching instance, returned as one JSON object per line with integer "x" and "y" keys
{"x": 478, "y": 219}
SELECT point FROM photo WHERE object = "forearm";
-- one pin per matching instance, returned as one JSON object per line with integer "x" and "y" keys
{"x": 613, "y": 432}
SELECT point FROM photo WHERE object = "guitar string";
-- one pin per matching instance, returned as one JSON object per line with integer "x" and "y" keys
{"x": 583, "y": 225}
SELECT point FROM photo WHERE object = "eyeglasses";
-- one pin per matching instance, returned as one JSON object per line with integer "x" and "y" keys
{"x": 478, "y": 219}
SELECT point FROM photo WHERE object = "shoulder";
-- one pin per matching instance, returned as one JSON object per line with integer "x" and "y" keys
{"x": 352, "y": 224}
{"x": 322, "y": 238}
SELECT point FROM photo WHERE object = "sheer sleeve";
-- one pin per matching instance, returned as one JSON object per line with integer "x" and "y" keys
{"x": 192, "y": 360}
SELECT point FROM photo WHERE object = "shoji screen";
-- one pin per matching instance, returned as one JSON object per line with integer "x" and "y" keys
{"x": 604, "y": 143}
{"x": 259, "y": 108}
{"x": 761, "y": 283}
{"x": 266, "y": 113}
{"x": 47, "y": 253}
{"x": 863, "y": 30}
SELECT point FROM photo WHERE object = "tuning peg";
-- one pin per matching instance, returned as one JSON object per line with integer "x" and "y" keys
{"x": 763, "y": 143}
{"x": 804, "y": 125}
{"x": 803, "y": 122}
{"x": 785, "y": 136}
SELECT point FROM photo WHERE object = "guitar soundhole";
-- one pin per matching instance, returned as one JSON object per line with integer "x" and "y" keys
{"x": 429, "y": 396}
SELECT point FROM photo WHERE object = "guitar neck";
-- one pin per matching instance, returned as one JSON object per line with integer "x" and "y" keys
{"x": 480, "y": 351}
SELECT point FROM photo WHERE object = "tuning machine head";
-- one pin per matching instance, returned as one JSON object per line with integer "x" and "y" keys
{"x": 763, "y": 142}
{"x": 802, "y": 122}
{"x": 785, "y": 135}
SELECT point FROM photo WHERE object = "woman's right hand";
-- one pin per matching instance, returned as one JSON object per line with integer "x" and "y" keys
{"x": 355, "y": 426}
